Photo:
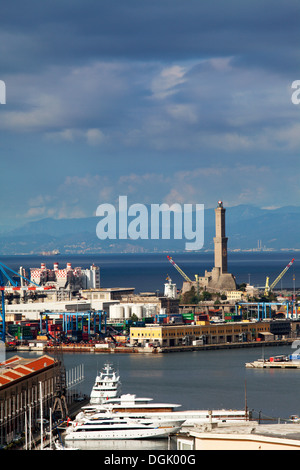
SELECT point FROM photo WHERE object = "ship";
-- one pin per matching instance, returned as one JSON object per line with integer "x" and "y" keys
{"x": 107, "y": 386}
{"x": 106, "y": 399}
{"x": 120, "y": 428}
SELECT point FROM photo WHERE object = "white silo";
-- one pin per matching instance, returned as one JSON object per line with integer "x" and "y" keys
{"x": 127, "y": 311}
{"x": 137, "y": 309}
{"x": 116, "y": 312}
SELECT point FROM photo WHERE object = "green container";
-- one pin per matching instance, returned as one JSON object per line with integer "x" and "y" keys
{"x": 188, "y": 316}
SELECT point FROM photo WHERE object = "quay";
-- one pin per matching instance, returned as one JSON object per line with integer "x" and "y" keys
{"x": 207, "y": 347}
{"x": 273, "y": 365}
{"x": 81, "y": 348}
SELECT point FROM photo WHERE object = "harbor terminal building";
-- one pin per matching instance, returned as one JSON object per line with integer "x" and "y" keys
{"x": 196, "y": 335}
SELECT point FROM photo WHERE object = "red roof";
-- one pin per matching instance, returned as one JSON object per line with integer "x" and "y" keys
{"x": 10, "y": 373}
{"x": 22, "y": 370}
{"x": 12, "y": 359}
{"x": 3, "y": 380}
{"x": 17, "y": 367}
{"x": 40, "y": 363}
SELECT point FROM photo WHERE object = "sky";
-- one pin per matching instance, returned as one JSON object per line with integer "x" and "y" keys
{"x": 175, "y": 101}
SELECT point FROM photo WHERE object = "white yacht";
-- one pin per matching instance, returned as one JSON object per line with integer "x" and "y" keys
{"x": 107, "y": 386}
{"x": 115, "y": 427}
{"x": 107, "y": 400}
{"x": 130, "y": 406}
{"x": 128, "y": 403}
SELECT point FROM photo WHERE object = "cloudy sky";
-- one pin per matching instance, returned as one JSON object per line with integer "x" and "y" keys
{"x": 185, "y": 101}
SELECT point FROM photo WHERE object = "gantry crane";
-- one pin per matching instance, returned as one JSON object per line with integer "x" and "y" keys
{"x": 269, "y": 288}
{"x": 8, "y": 284}
{"x": 178, "y": 269}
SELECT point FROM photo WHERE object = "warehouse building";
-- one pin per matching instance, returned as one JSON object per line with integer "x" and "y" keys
{"x": 186, "y": 335}
{"x": 20, "y": 380}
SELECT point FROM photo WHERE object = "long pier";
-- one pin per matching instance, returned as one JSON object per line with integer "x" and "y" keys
{"x": 161, "y": 350}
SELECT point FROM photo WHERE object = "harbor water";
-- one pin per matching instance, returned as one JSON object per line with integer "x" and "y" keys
{"x": 148, "y": 272}
{"x": 196, "y": 380}
{"x": 202, "y": 379}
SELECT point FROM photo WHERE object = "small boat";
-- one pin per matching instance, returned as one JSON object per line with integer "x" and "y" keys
{"x": 107, "y": 386}
{"x": 115, "y": 428}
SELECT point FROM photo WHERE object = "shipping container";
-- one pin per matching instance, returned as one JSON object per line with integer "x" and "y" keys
{"x": 149, "y": 320}
{"x": 188, "y": 316}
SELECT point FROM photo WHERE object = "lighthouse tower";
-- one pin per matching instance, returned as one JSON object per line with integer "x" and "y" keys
{"x": 220, "y": 241}
{"x": 218, "y": 279}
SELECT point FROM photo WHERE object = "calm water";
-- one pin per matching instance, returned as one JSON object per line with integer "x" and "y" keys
{"x": 148, "y": 272}
{"x": 200, "y": 380}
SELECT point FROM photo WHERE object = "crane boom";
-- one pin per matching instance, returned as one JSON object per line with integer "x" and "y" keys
{"x": 178, "y": 269}
{"x": 268, "y": 288}
{"x": 282, "y": 274}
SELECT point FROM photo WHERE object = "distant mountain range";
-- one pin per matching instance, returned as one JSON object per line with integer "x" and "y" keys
{"x": 246, "y": 227}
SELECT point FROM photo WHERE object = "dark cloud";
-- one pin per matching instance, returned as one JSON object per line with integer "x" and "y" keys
{"x": 37, "y": 34}
{"x": 159, "y": 98}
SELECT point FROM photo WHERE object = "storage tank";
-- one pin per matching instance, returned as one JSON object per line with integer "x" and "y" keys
{"x": 116, "y": 312}
{"x": 150, "y": 310}
{"x": 127, "y": 311}
{"x": 138, "y": 310}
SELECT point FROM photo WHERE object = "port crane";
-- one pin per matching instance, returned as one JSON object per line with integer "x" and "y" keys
{"x": 8, "y": 284}
{"x": 269, "y": 288}
{"x": 178, "y": 269}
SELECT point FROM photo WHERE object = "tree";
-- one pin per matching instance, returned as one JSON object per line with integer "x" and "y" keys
{"x": 190, "y": 297}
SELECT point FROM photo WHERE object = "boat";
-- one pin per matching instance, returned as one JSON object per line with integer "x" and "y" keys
{"x": 107, "y": 386}
{"x": 128, "y": 403}
{"x": 120, "y": 428}
{"x": 130, "y": 406}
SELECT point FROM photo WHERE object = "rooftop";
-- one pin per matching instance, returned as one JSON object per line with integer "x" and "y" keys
{"x": 18, "y": 367}
{"x": 279, "y": 430}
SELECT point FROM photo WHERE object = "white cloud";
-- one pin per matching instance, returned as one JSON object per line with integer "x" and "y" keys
{"x": 95, "y": 136}
{"x": 164, "y": 84}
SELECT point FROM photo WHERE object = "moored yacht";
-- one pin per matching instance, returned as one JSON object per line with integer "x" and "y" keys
{"x": 115, "y": 427}
{"x": 107, "y": 386}
{"x": 130, "y": 406}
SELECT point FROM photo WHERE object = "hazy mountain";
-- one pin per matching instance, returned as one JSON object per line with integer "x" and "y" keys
{"x": 245, "y": 225}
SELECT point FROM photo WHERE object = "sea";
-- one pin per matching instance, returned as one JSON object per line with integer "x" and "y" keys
{"x": 147, "y": 272}
{"x": 194, "y": 380}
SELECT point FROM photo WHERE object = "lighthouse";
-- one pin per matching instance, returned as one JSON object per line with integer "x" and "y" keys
{"x": 220, "y": 240}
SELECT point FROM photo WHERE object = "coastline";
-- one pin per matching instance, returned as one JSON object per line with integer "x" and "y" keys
{"x": 73, "y": 348}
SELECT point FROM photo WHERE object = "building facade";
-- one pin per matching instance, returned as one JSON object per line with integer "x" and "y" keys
{"x": 20, "y": 381}
{"x": 185, "y": 335}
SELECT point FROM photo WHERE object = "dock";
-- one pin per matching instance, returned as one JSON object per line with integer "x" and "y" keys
{"x": 261, "y": 364}
{"x": 113, "y": 349}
